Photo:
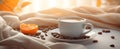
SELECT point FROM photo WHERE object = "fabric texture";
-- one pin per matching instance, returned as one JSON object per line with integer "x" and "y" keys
{"x": 12, "y": 38}
{"x": 96, "y": 16}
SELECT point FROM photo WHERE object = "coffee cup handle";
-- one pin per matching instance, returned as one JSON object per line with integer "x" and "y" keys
{"x": 88, "y": 30}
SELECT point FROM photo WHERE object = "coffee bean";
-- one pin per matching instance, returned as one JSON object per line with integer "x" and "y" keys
{"x": 45, "y": 31}
{"x": 100, "y": 33}
{"x": 95, "y": 41}
{"x": 54, "y": 34}
{"x": 46, "y": 35}
{"x": 42, "y": 38}
{"x": 112, "y": 45}
{"x": 37, "y": 34}
{"x": 82, "y": 36}
{"x": 87, "y": 36}
{"x": 57, "y": 35}
{"x": 88, "y": 27}
{"x": 112, "y": 37}
{"x": 106, "y": 30}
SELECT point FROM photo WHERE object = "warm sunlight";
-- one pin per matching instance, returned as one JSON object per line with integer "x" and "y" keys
{"x": 38, "y": 5}
{"x": 52, "y": 3}
{"x": 56, "y": 3}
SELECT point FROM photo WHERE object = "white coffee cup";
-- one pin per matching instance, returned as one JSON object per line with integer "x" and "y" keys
{"x": 73, "y": 27}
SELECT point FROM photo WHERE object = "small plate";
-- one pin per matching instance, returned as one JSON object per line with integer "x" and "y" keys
{"x": 51, "y": 37}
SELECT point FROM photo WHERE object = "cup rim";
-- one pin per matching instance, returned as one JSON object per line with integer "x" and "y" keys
{"x": 79, "y": 20}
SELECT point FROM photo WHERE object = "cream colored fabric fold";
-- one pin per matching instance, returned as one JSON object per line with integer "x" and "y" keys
{"x": 2, "y": 13}
{"x": 67, "y": 46}
{"x": 12, "y": 21}
{"x": 100, "y": 19}
{"x": 17, "y": 40}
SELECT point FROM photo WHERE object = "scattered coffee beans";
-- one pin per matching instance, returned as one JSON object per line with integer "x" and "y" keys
{"x": 112, "y": 45}
{"x": 57, "y": 35}
{"x": 106, "y": 30}
{"x": 95, "y": 41}
{"x": 47, "y": 28}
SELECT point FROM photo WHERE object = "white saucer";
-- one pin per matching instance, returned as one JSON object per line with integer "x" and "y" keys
{"x": 51, "y": 37}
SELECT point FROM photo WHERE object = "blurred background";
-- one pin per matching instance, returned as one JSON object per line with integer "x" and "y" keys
{"x": 18, "y": 6}
{"x": 46, "y": 4}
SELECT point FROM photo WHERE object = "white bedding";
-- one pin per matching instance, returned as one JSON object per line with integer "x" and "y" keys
{"x": 12, "y": 38}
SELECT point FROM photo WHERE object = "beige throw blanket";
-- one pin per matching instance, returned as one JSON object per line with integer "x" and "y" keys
{"x": 17, "y": 40}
